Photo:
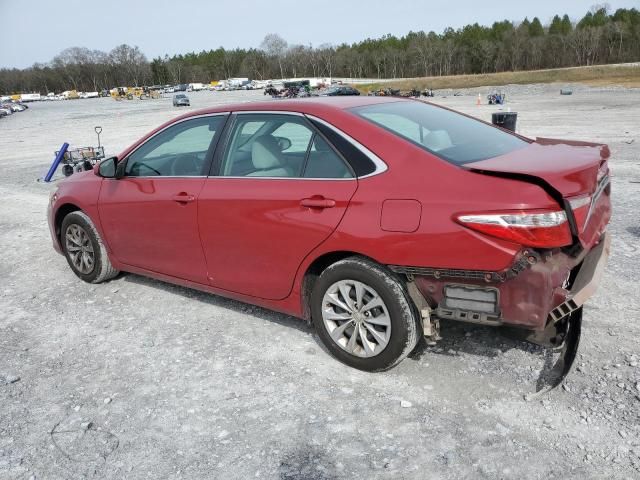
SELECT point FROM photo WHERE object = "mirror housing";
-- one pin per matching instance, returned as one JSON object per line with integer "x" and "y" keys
{"x": 107, "y": 168}
{"x": 120, "y": 168}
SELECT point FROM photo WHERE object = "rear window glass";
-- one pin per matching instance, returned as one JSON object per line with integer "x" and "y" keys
{"x": 449, "y": 135}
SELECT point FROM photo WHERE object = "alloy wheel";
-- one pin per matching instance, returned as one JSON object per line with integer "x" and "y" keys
{"x": 79, "y": 248}
{"x": 356, "y": 318}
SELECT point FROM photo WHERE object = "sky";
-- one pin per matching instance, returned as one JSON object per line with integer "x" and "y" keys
{"x": 43, "y": 28}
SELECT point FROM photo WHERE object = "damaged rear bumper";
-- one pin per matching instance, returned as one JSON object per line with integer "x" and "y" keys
{"x": 586, "y": 281}
{"x": 537, "y": 290}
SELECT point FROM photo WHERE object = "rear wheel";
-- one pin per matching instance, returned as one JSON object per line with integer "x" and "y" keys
{"x": 84, "y": 250}
{"x": 363, "y": 315}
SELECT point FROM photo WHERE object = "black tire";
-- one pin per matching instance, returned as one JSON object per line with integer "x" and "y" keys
{"x": 102, "y": 269}
{"x": 405, "y": 325}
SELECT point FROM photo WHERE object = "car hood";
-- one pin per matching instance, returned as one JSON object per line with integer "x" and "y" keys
{"x": 83, "y": 176}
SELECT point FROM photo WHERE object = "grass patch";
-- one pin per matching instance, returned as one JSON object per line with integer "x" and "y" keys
{"x": 601, "y": 75}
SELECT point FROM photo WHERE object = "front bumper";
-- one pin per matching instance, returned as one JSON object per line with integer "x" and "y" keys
{"x": 536, "y": 290}
{"x": 52, "y": 228}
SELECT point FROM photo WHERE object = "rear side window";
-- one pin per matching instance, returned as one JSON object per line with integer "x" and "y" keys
{"x": 449, "y": 135}
{"x": 267, "y": 145}
{"x": 360, "y": 163}
{"x": 274, "y": 145}
{"x": 323, "y": 162}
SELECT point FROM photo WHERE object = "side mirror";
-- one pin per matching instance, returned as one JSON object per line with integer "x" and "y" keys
{"x": 106, "y": 168}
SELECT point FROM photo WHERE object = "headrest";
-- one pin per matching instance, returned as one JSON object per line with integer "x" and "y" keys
{"x": 437, "y": 140}
{"x": 265, "y": 152}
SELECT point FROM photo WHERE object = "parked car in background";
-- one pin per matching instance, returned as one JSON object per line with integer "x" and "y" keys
{"x": 85, "y": 95}
{"x": 181, "y": 100}
{"x": 30, "y": 97}
{"x": 338, "y": 90}
{"x": 16, "y": 107}
{"x": 372, "y": 217}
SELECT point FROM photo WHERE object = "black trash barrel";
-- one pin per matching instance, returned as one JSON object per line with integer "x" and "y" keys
{"x": 505, "y": 120}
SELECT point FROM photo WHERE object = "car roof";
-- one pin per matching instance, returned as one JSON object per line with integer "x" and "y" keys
{"x": 309, "y": 105}
{"x": 323, "y": 107}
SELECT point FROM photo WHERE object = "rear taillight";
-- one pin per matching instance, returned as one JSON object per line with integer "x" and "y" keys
{"x": 543, "y": 229}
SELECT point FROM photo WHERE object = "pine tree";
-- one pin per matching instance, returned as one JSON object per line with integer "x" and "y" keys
{"x": 535, "y": 29}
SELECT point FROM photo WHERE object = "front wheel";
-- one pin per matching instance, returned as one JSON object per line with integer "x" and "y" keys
{"x": 363, "y": 315}
{"x": 84, "y": 250}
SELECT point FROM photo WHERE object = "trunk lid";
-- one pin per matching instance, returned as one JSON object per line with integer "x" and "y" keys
{"x": 575, "y": 173}
{"x": 571, "y": 168}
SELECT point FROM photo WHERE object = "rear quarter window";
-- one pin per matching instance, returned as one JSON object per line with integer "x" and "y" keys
{"x": 449, "y": 135}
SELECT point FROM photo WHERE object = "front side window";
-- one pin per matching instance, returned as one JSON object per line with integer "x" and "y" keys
{"x": 449, "y": 135}
{"x": 279, "y": 146}
{"x": 178, "y": 151}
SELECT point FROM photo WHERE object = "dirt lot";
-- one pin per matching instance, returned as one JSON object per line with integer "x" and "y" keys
{"x": 140, "y": 379}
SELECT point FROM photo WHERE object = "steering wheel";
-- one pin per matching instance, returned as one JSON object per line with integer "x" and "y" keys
{"x": 142, "y": 164}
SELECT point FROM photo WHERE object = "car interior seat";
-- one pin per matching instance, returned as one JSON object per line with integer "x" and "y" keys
{"x": 437, "y": 140}
{"x": 267, "y": 158}
{"x": 186, "y": 165}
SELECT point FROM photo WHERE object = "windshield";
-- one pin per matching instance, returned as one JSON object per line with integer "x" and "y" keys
{"x": 449, "y": 135}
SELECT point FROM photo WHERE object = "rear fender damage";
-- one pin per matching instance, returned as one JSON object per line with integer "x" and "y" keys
{"x": 554, "y": 287}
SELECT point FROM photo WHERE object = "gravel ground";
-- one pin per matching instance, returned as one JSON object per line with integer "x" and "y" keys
{"x": 140, "y": 379}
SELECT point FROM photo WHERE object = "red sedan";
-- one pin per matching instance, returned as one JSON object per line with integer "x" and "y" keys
{"x": 372, "y": 217}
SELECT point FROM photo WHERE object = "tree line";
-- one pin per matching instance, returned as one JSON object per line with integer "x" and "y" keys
{"x": 599, "y": 37}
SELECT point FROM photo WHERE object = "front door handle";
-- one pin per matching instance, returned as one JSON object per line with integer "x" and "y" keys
{"x": 183, "y": 197}
{"x": 318, "y": 202}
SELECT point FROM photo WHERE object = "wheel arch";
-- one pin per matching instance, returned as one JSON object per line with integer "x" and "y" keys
{"x": 64, "y": 210}
{"x": 315, "y": 269}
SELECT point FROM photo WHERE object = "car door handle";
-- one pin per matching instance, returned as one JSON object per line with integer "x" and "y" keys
{"x": 318, "y": 202}
{"x": 183, "y": 197}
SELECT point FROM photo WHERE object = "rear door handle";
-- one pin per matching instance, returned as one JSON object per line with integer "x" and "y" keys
{"x": 183, "y": 197}
{"x": 318, "y": 202}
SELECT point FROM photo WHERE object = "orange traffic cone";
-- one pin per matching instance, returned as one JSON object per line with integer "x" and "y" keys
{"x": 479, "y": 101}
